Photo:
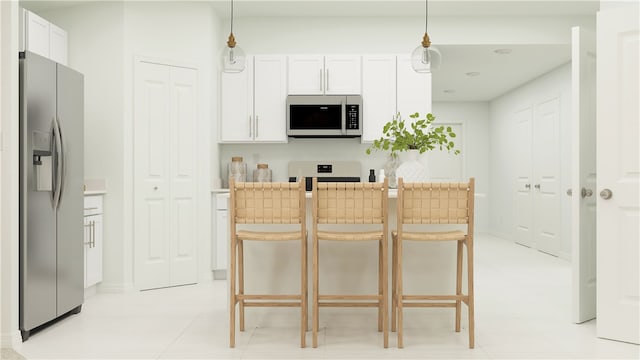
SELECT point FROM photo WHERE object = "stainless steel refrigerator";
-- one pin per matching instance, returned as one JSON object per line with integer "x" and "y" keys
{"x": 51, "y": 191}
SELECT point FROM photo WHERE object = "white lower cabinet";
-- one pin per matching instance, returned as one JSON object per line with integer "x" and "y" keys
{"x": 93, "y": 240}
{"x": 222, "y": 235}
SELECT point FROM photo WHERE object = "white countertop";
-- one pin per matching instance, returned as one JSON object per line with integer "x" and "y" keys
{"x": 94, "y": 192}
{"x": 393, "y": 193}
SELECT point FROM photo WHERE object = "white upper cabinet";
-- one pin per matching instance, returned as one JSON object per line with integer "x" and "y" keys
{"x": 270, "y": 98}
{"x": 306, "y": 75}
{"x": 414, "y": 89}
{"x": 317, "y": 75}
{"x": 57, "y": 44}
{"x": 378, "y": 94}
{"x": 342, "y": 74}
{"x": 43, "y": 38}
{"x": 253, "y": 102}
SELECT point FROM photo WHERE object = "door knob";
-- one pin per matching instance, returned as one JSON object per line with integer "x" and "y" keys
{"x": 569, "y": 192}
{"x": 586, "y": 192}
{"x": 606, "y": 194}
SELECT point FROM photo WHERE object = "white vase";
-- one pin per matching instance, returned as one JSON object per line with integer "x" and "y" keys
{"x": 412, "y": 169}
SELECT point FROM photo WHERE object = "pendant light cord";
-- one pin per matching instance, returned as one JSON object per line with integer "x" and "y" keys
{"x": 232, "y": 16}
{"x": 426, "y": 14}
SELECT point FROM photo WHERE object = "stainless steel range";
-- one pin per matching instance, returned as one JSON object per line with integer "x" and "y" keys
{"x": 327, "y": 171}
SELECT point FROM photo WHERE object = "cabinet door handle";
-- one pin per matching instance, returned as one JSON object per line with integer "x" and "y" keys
{"x": 93, "y": 234}
{"x": 327, "y": 79}
{"x": 537, "y": 186}
{"x": 321, "y": 81}
{"x": 527, "y": 186}
{"x": 256, "y": 124}
{"x": 250, "y": 124}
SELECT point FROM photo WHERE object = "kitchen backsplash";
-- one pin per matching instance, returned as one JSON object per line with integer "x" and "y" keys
{"x": 277, "y": 156}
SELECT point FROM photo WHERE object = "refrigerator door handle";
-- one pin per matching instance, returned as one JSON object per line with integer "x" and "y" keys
{"x": 63, "y": 159}
{"x": 59, "y": 163}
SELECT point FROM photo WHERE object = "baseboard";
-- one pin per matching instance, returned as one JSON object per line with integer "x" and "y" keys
{"x": 11, "y": 340}
{"x": 206, "y": 276}
{"x": 115, "y": 288}
{"x": 90, "y": 291}
{"x": 219, "y": 274}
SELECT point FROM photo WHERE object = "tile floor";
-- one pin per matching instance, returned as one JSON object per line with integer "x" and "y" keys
{"x": 523, "y": 305}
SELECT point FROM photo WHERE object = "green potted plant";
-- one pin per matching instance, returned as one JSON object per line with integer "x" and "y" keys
{"x": 416, "y": 137}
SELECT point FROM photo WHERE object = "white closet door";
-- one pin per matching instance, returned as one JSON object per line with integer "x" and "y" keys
{"x": 546, "y": 171}
{"x": 182, "y": 155}
{"x": 164, "y": 151}
{"x": 618, "y": 166}
{"x": 523, "y": 200}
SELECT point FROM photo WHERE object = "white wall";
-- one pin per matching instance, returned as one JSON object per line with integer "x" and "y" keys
{"x": 269, "y": 35}
{"x": 104, "y": 40}
{"x": 96, "y": 41}
{"x": 502, "y": 157}
{"x": 9, "y": 334}
{"x": 178, "y": 33}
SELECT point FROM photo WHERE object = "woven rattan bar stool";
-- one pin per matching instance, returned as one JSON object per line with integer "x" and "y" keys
{"x": 266, "y": 204}
{"x": 351, "y": 203}
{"x": 434, "y": 203}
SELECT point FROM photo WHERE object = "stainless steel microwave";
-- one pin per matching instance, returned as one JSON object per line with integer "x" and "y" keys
{"x": 324, "y": 115}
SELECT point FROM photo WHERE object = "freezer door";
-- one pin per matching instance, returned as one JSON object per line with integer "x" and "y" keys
{"x": 37, "y": 215}
{"x": 70, "y": 222}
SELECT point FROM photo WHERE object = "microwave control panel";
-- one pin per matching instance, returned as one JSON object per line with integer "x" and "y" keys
{"x": 353, "y": 117}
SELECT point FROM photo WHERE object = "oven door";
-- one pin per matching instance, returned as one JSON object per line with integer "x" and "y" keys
{"x": 316, "y": 116}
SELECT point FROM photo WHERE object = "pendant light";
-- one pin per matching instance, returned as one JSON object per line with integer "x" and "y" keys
{"x": 424, "y": 58}
{"x": 233, "y": 58}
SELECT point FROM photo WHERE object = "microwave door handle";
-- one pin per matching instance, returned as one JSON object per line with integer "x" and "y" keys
{"x": 343, "y": 116}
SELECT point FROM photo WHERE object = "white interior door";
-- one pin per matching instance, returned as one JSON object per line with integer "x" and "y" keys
{"x": 151, "y": 175}
{"x": 546, "y": 170}
{"x": 618, "y": 167}
{"x": 164, "y": 154}
{"x": 583, "y": 159}
{"x": 523, "y": 184}
{"x": 184, "y": 263}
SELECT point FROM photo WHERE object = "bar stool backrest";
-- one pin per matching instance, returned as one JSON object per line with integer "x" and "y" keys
{"x": 350, "y": 202}
{"x": 268, "y": 203}
{"x": 435, "y": 203}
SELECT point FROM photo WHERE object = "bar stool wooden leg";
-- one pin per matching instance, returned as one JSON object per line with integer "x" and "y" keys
{"x": 458, "y": 284}
{"x": 241, "y": 282}
{"x": 303, "y": 292}
{"x": 385, "y": 292}
{"x": 380, "y": 291}
{"x": 400, "y": 300}
{"x": 394, "y": 294}
{"x": 470, "y": 294}
{"x": 315, "y": 292}
{"x": 232, "y": 300}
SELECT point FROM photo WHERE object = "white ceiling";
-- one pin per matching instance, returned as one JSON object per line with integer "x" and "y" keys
{"x": 497, "y": 73}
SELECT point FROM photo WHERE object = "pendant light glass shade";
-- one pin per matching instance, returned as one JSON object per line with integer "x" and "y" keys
{"x": 233, "y": 57}
{"x": 425, "y": 59}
